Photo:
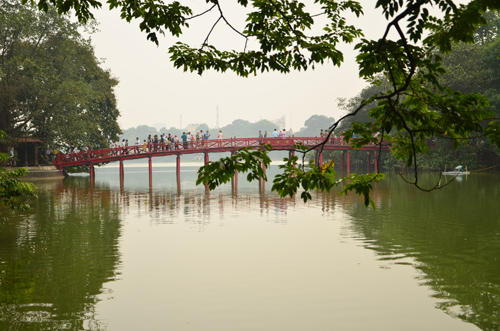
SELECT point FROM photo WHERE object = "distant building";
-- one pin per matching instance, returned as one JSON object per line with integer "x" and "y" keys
{"x": 280, "y": 122}
{"x": 192, "y": 127}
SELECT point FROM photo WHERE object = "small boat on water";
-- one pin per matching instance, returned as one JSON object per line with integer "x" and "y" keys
{"x": 458, "y": 171}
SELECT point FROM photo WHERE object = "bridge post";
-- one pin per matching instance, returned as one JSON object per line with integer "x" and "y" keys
{"x": 206, "y": 158}
{"x": 150, "y": 166}
{"x": 368, "y": 161}
{"x": 236, "y": 180}
{"x": 375, "y": 160}
{"x": 92, "y": 170}
{"x": 121, "y": 168}
{"x": 348, "y": 162}
{"x": 236, "y": 171}
{"x": 342, "y": 162}
{"x": 263, "y": 168}
{"x": 178, "y": 165}
{"x": 178, "y": 184}
{"x": 320, "y": 158}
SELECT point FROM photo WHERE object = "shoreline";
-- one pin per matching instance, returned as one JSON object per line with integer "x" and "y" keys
{"x": 39, "y": 172}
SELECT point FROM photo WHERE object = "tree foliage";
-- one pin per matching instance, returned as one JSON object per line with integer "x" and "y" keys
{"x": 14, "y": 193}
{"x": 314, "y": 124}
{"x": 292, "y": 35}
{"x": 51, "y": 84}
{"x": 246, "y": 160}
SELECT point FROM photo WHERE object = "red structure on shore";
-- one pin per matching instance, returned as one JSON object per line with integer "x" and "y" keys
{"x": 121, "y": 154}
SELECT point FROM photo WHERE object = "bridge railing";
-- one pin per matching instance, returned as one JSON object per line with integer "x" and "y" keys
{"x": 112, "y": 154}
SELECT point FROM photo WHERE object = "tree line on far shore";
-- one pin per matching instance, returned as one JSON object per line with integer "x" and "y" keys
{"x": 238, "y": 128}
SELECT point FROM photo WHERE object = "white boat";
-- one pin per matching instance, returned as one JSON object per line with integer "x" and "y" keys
{"x": 458, "y": 171}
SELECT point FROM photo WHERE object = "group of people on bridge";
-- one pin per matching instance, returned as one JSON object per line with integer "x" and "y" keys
{"x": 164, "y": 142}
{"x": 188, "y": 140}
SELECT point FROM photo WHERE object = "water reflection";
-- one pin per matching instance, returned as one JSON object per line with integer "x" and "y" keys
{"x": 55, "y": 261}
{"x": 452, "y": 237}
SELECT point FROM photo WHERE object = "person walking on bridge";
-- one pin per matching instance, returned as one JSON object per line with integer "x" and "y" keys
{"x": 184, "y": 140}
{"x": 188, "y": 140}
{"x": 137, "y": 145}
{"x": 275, "y": 134}
{"x": 176, "y": 142}
{"x": 219, "y": 136}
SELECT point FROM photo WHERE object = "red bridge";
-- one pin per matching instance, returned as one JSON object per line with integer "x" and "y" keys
{"x": 151, "y": 150}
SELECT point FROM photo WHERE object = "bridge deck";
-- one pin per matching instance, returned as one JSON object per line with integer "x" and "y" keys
{"x": 202, "y": 146}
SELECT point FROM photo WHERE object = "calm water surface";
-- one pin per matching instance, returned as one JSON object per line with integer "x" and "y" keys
{"x": 114, "y": 255}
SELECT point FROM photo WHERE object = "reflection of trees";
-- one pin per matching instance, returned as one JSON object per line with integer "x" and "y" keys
{"x": 452, "y": 237}
{"x": 53, "y": 263}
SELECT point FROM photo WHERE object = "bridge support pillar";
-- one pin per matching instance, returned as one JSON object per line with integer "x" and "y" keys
{"x": 150, "y": 166}
{"x": 320, "y": 158}
{"x": 92, "y": 170}
{"x": 235, "y": 178}
{"x": 264, "y": 169}
{"x": 342, "y": 161}
{"x": 375, "y": 160}
{"x": 121, "y": 168}
{"x": 368, "y": 161}
{"x": 348, "y": 162}
{"x": 178, "y": 165}
{"x": 178, "y": 184}
{"x": 206, "y": 158}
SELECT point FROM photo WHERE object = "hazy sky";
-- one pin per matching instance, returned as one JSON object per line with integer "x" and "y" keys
{"x": 152, "y": 91}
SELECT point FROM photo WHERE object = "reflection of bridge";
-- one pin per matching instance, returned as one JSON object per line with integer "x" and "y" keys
{"x": 120, "y": 154}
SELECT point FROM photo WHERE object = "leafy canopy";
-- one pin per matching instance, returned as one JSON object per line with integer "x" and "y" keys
{"x": 290, "y": 35}
{"x": 14, "y": 194}
{"x": 51, "y": 84}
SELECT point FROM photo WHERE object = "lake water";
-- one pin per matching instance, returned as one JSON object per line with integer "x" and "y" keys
{"x": 128, "y": 255}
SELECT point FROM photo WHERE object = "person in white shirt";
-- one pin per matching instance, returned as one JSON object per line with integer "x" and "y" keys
{"x": 188, "y": 139}
{"x": 137, "y": 145}
{"x": 12, "y": 160}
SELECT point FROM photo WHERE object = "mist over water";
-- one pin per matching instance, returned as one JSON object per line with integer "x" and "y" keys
{"x": 127, "y": 255}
